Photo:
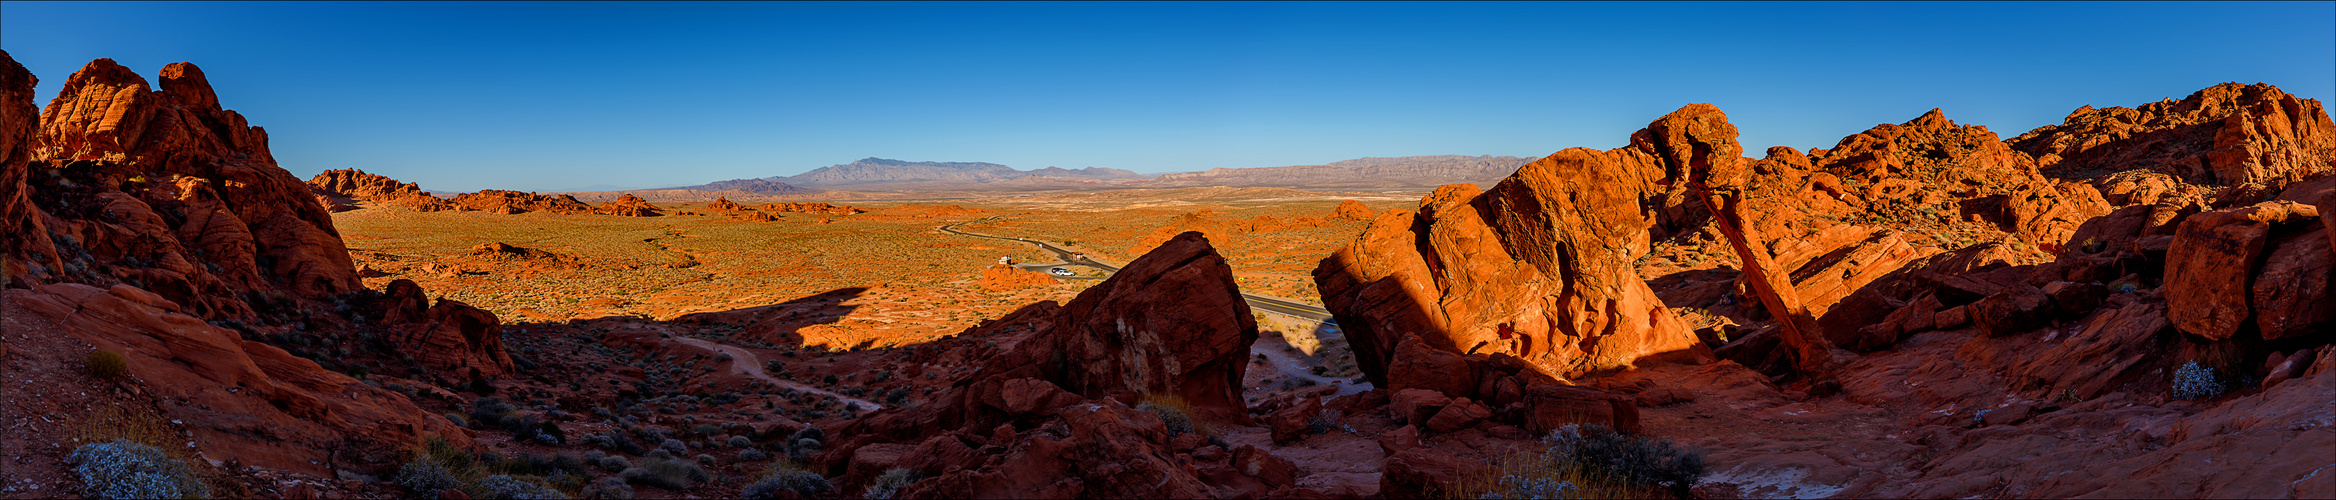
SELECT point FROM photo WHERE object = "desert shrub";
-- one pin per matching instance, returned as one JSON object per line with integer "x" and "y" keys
{"x": 614, "y": 463}
{"x": 489, "y": 412}
{"x": 615, "y": 441}
{"x": 891, "y": 483}
{"x": 1326, "y": 421}
{"x": 705, "y": 460}
{"x": 1172, "y": 410}
{"x": 753, "y": 455}
{"x": 739, "y": 442}
{"x": 426, "y": 477}
{"x": 1631, "y": 460}
{"x": 786, "y": 477}
{"x": 608, "y": 489}
{"x": 1532, "y": 487}
{"x": 803, "y": 443}
{"x": 106, "y": 364}
{"x": 502, "y": 487}
{"x": 666, "y": 473}
{"x": 568, "y": 462}
{"x": 706, "y": 429}
{"x": 2194, "y": 381}
{"x": 674, "y": 446}
{"x": 123, "y": 469}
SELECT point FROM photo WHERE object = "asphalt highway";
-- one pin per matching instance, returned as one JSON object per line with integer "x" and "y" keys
{"x": 1070, "y": 258}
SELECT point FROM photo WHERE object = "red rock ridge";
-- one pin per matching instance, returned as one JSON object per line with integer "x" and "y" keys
{"x": 2225, "y": 135}
{"x": 358, "y": 185}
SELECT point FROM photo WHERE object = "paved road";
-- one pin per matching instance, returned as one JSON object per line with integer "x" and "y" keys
{"x": 1269, "y": 304}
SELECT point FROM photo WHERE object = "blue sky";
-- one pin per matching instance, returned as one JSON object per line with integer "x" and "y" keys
{"x": 552, "y": 96}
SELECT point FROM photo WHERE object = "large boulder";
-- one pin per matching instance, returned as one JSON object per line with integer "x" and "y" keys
{"x": 455, "y": 341}
{"x": 1539, "y": 267}
{"x": 2214, "y": 259}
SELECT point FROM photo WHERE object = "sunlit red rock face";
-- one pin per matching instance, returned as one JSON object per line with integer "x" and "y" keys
{"x": 357, "y": 185}
{"x": 517, "y": 202}
{"x": 1051, "y": 416}
{"x": 2251, "y": 136}
{"x": 629, "y": 206}
{"x": 169, "y": 192}
{"x": 1539, "y": 267}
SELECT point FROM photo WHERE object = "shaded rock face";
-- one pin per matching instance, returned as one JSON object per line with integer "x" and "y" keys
{"x": 1539, "y": 267}
{"x": 2228, "y": 134}
{"x": 166, "y": 191}
{"x": 456, "y": 341}
{"x": 1171, "y": 323}
{"x": 28, "y": 243}
{"x": 1051, "y": 416}
{"x": 241, "y": 399}
{"x": 357, "y": 185}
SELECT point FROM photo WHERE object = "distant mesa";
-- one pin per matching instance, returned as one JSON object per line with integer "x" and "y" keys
{"x": 750, "y": 186}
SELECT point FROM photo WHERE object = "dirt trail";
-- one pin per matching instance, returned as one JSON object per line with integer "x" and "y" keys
{"x": 743, "y": 361}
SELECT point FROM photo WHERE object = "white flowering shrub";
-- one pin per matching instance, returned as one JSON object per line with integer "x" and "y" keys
{"x": 123, "y": 469}
{"x": 2193, "y": 381}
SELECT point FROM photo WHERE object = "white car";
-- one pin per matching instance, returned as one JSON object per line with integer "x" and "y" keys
{"x": 1060, "y": 272}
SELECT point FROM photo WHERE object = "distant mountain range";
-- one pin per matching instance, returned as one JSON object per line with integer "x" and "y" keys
{"x": 886, "y": 175}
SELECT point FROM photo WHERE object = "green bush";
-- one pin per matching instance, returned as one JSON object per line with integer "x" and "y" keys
{"x": 107, "y": 365}
{"x": 123, "y": 469}
{"x": 1178, "y": 421}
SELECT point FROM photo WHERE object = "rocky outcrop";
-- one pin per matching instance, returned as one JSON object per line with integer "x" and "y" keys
{"x": 629, "y": 206}
{"x": 1006, "y": 278}
{"x": 1539, "y": 267}
{"x": 2227, "y": 135}
{"x": 167, "y": 191}
{"x": 515, "y": 202}
{"x": 457, "y": 342}
{"x": 722, "y": 205}
{"x": 357, "y": 185}
{"x": 241, "y": 400}
{"x": 28, "y": 247}
{"x": 2214, "y": 260}
{"x": 811, "y": 207}
{"x": 1353, "y": 210}
{"x": 1051, "y": 416}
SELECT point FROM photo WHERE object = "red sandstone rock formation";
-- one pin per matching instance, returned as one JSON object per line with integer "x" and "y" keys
{"x": 1353, "y": 210}
{"x": 515, "y": 202}
{"x": 1002, "y": 278}
{"x": 819, "y": 207}
{"x": 723, "y": 205}
{"x": 1172, "y": 323}
{"x": 27, "y": 245}
{"x": 456, "y": 341}
{"x": 1539, "y": 267}
{"x": 2250, "y": 136}
{"x": 2212, "y": 270}
{"x": 357, "y": 185}
{"x": 629, "y": 206}
{"x": 166, "y": 191}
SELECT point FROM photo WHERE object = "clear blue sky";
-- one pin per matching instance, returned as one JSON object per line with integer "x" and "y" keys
{"x": 551, "y": 96}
